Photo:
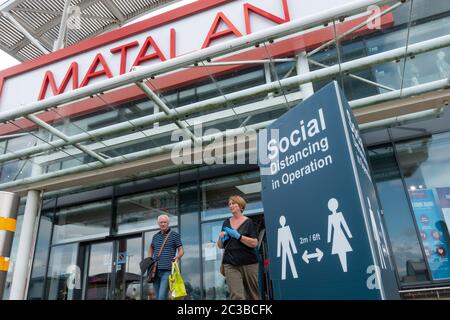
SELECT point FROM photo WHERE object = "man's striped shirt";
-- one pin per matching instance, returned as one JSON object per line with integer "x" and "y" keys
{"x": 169, "y": 250}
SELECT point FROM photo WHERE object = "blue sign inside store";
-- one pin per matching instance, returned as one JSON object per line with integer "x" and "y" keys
{"x": 433, "y": 231}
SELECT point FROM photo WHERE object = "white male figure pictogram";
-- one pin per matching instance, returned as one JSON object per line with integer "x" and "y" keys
{"x": 284, "y": 243}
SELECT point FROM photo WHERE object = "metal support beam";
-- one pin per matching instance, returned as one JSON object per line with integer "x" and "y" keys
{"x": 157, "y": 100}
{"x": 376, "y": 84}
{"x": 54, "y": 22}
{"x": 25, "y": 32}
{"x": 214, "y": 103}
{"x": 232, "y": 63}
{"x": 215, "y": 51}
{"x": 61, "y": 135}
{"x": 114, "y": 10}
{"x": 397, "y": 94}
{"x": 55, "y": 13}
{"x": 359, "y": 26}
{"x": 207, "y": 120}
{"x": 9, "y": 5}
{"x": 15, "y": 135}
{"x": 146, "y": 72}
{"x": 401, "y": 120}
{"x": 134, "y": 156}
{"x": 60, "y": 42}
{"x": 303, "y": 68}
{"x": 44, "y": 40}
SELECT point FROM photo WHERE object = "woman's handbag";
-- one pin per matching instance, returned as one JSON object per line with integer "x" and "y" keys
{"x": 146, "y": 264}
{"x": 177, "y": 289}
{"x": 151, "y": 274}
{"x": 222, "y": 267}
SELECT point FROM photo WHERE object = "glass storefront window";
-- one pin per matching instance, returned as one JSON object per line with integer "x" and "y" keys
{"x": 215, "y": 193}
{"x": 433, "y": 65}
{"x": 62, "y": 266}
{"x": 140, "y": 212}
{"x": 85, "y": 221}
{"x": 214, "y": 283}
{"x": 15, "y": 170}
{"x": 190, "y": 236}
{"x": 99, "y": 275}
{"x": 409, "y": 261}
{"x": 36, "y": 285}
{"x": 128, "y": 273}
{"x": 21, "y": 169}
{"x": 425, "y": 164}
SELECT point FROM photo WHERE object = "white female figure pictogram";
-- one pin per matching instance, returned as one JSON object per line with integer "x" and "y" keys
{"x": 337, "y": 227}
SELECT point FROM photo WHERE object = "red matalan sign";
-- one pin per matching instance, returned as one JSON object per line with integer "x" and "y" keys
{"x": 178, "y": 32}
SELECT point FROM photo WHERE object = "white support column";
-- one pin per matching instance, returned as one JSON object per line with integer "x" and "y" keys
{"x": 25, "y": 250}
{"x": 303, "y": 68}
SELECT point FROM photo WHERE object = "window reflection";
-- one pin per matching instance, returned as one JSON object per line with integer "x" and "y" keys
{"x": 128, "y": 274}
{"x": 216, "y": 192}
{"x": 36, "y": 285}
{"x": 140, "y": 212}
{"x": 214, "y": 282}
{"x": 82, "y": 222}
{"x": 425, "y": 164}
{"x": 190, "y": 236}
{"x": 411, "y": 267}
{"x": 99, "y": 276}
{"x": 14, "y": 170}
{"x": 61, "y": 267}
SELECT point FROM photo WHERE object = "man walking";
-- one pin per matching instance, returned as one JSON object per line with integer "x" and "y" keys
{"x": 172, "y": 250}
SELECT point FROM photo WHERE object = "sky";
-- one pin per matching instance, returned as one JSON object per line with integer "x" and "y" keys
{"x": 7, "y": 61}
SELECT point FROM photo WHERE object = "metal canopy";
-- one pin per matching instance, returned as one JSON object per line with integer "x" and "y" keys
{"x": 28, "y": 28}
{"x": 139, "y": 142}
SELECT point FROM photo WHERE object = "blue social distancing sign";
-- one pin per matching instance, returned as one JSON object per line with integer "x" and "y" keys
{"x": 324, "y": 227}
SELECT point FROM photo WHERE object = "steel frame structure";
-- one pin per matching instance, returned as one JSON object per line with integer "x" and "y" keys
{"x": 41, "y": 28}
{"x": 203, "y": 59}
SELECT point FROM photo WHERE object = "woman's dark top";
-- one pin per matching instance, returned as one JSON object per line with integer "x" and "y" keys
{"x": 236, "y": 253}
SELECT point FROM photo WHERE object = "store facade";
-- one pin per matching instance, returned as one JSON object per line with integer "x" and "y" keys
{"x": 92, "y": 233}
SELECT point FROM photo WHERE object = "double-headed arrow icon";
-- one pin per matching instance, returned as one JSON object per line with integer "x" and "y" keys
{"x": 318, "y": 255}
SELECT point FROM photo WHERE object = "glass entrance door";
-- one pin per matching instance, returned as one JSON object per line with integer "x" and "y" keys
{"x": 111, "y": 269}
{"x": 98, "y": 271}
{"x": 128, "y": 282}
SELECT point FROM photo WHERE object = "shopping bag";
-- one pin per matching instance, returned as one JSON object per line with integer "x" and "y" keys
{"x": 177, "y": 290}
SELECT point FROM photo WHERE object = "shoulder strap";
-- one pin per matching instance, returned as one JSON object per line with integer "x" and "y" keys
{"x": 164, "y": 243}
